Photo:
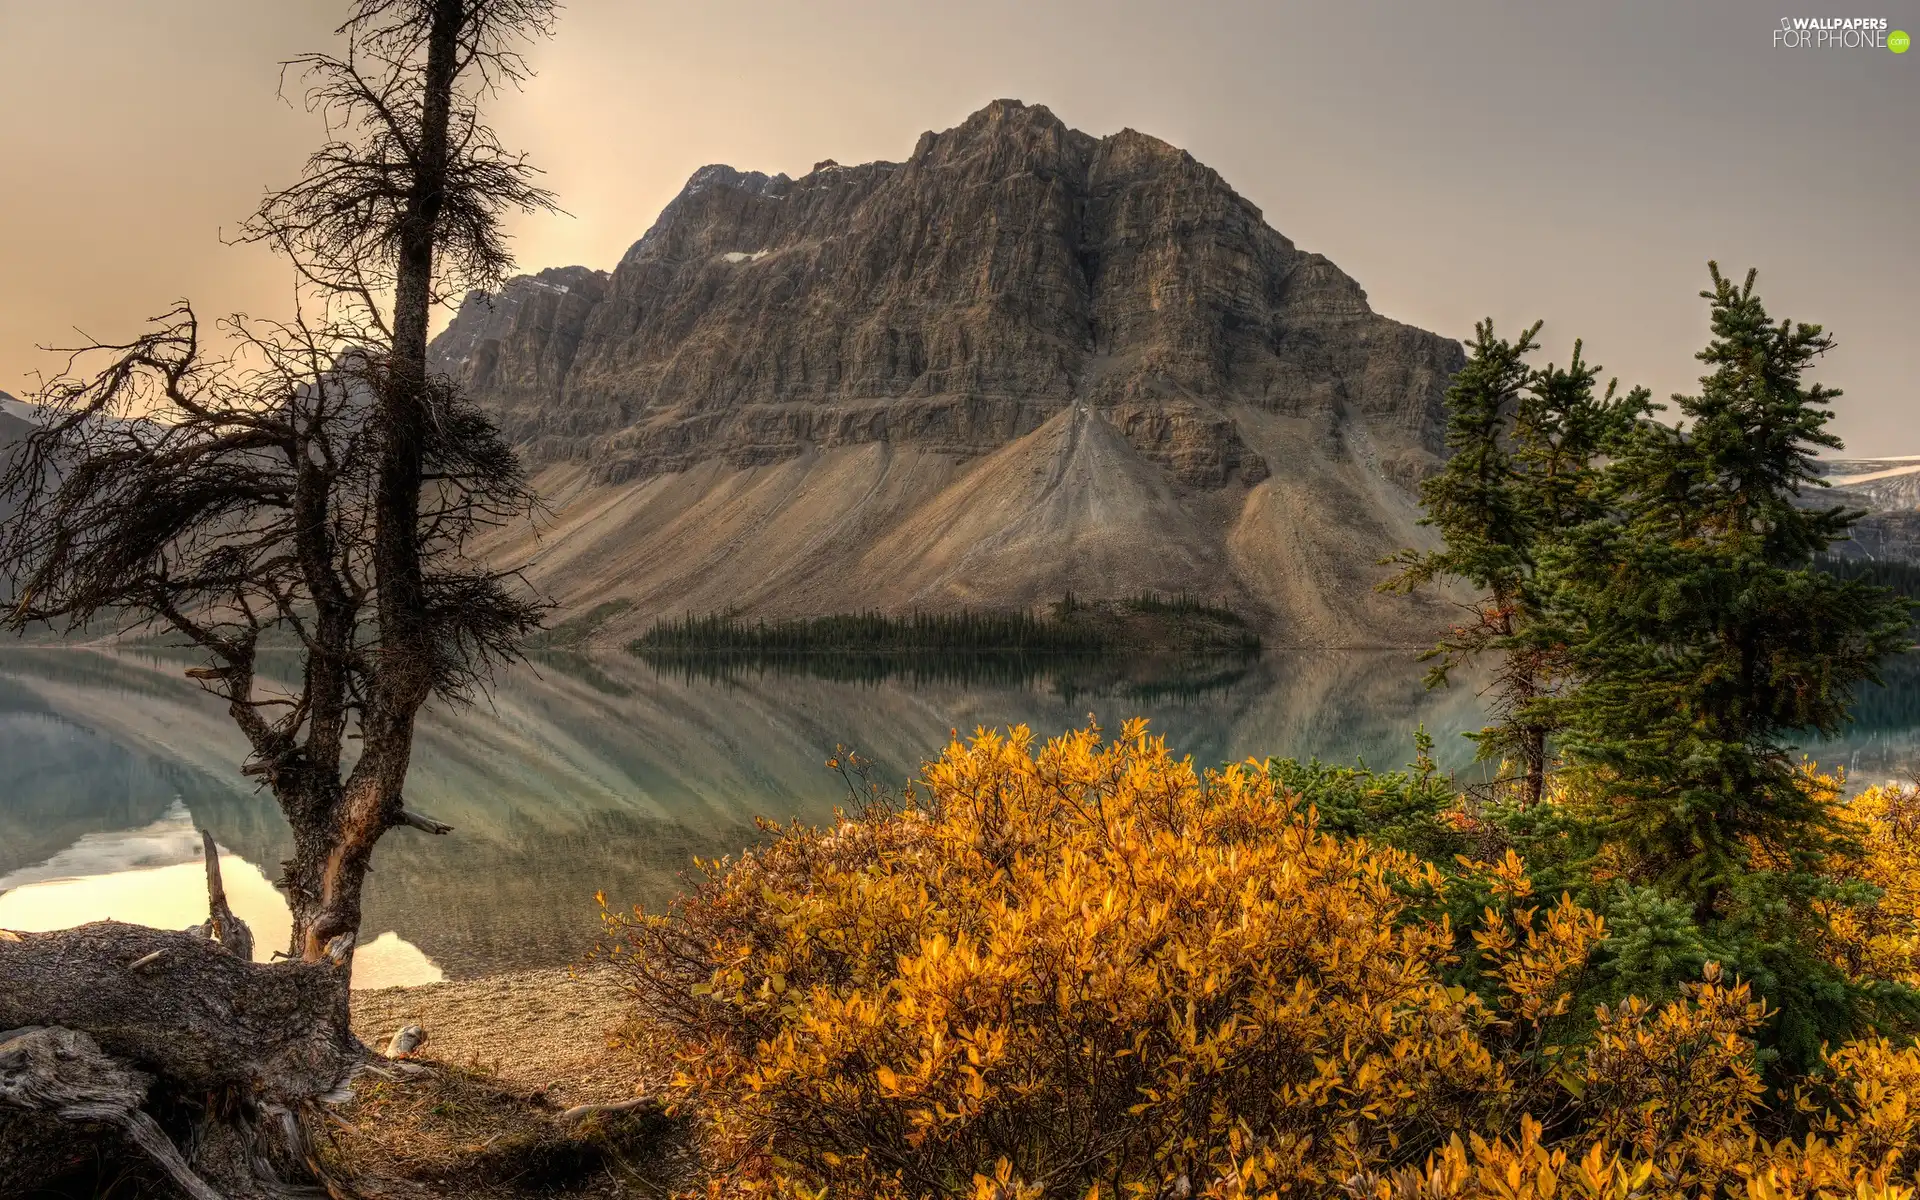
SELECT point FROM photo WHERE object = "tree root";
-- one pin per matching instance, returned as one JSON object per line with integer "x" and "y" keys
{"x": 65, "y": 1074}
{"x": 123, "y": 1038}
{"x": 581, "y": 1112}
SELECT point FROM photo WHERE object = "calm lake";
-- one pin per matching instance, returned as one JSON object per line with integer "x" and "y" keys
{"x": 583, "y": 774}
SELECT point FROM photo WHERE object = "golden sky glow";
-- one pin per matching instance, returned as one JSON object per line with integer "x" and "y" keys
{"x": 1579, "y": 163}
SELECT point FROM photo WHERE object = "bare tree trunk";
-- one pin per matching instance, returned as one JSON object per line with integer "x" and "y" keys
{"x": 340, "y": 859}
{"x": 1534, "y": 751}
{"x": 371, "y": 803}
{"x": 406, "y": 642}
{"x": 333, "y": 852}
{"x": 1523, "y": 681}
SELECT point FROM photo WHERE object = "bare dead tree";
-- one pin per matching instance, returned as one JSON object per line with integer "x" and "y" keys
{"x": 406, "y": 198}
{"x": 307, "y": 484}
{"x": 233, "y": 500}
{"x": 316, "y": 480}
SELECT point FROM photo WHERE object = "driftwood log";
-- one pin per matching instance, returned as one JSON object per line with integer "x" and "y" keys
{"x": 406, "y": 1041}
{"x": 124, "y": 1043}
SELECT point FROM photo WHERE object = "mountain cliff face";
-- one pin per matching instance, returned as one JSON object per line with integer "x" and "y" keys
{"x": 16, "y": 419}
{"x": 1025, "y": 360}
{"x": 15, "y": 425}
{"x": 1887, "y": 490}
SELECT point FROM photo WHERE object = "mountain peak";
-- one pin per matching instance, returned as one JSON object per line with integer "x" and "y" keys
{"x": 1007, "y": 114}
{"x": 1018, "y": 303}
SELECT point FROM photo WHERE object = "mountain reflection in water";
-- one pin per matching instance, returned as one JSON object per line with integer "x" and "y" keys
{"x": 607, "y": 772}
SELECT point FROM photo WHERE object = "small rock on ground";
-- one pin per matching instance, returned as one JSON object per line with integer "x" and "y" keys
{"x": 544, "y": 1030}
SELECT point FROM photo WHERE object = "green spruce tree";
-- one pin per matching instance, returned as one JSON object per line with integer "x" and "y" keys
{"x": 1525, "y": 447}
{"x": 1705, "y": 640}
{"x": 1474, "y": 503}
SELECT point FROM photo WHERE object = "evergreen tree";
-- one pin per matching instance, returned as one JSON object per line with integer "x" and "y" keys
{"x": 1706, "y": 639}
{"x": 1524, "y": 445}
{"x": 1475, "y": 505}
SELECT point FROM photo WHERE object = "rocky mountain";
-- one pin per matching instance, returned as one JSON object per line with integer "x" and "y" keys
{"x": 1888, "y": 489}
{"x": 16, "y": 419}
{"x": 1025, "y": 360}
{"x": 16, "y": 422}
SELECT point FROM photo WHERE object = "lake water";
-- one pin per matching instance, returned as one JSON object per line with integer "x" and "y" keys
{"x": 586, "y": 774}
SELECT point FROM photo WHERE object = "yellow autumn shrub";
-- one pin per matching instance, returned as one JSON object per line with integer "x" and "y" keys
{"x": 1084, "y": 968}
{"x": 1880, "y": 940}
{"x": 1673, "y": 1133}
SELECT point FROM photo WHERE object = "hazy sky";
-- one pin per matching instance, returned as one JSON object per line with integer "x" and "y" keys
{"x": 1574, "y": 162}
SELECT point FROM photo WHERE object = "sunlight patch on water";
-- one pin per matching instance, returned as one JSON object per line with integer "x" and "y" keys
{"x": 392, "y": 961}
{"x": 108, "y": 877}
{"x": 172, "y": 897}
